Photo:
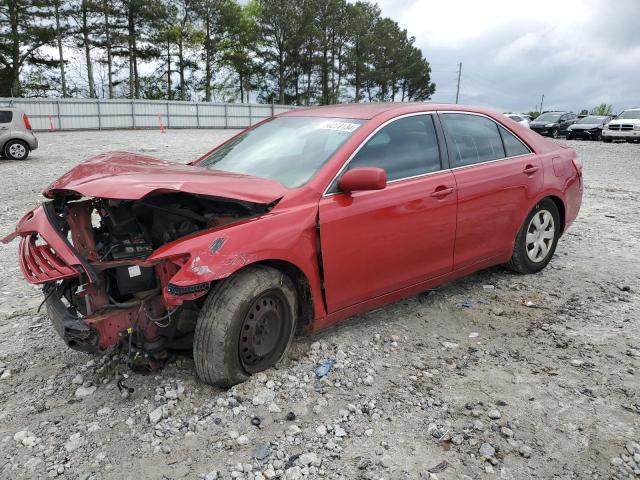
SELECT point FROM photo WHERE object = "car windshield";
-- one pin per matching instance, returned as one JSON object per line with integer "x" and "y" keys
{"x": 592, "y": 120}
{"x": 287, "y": 149}
{"x": 548, "y": 117}
{"x": 630, "y": 114}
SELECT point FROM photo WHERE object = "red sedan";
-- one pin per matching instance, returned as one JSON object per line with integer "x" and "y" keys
{"x": 302, "y": 220}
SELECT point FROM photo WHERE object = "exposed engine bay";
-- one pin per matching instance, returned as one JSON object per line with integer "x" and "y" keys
{"x": 118, "y": 298}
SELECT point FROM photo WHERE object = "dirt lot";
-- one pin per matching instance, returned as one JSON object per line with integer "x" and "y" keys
{"x": 466, "y": 374}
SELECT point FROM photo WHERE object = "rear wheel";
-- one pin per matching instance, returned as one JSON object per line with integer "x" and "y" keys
{"x": 245, "y": 326}
{"x": 16, "y": 150}
{"x": 536, "y": 241}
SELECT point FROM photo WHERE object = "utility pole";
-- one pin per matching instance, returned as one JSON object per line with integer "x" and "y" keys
{"x": 541, "y": 103}
{"x": 459, "y": 74}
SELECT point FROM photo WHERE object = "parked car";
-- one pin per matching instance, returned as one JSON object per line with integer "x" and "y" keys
{"x": 302, "y": 220}
{"x": 519, "y": 118}
{"x": 625, "y": 126}
{"x": 553, "y": 124}
{"x": 589, "y": 128}
{"x": 16, "y": 137}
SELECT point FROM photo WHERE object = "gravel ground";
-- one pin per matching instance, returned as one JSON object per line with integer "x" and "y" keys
{"x": 462, "y": 382}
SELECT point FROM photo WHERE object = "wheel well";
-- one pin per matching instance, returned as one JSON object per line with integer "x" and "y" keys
{"x": 561, "y": 210}
{"x": 303, "y": 290}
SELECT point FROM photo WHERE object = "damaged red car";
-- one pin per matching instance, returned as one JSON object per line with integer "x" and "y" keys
{"x": 300, "y": 221}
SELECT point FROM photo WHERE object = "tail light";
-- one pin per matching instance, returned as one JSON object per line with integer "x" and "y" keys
{"x": 26, "y": 121}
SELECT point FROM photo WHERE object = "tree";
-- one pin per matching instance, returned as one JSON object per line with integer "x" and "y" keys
{"x": 298, "y": 52}
{"x": 602, "y": 109}
{"x": 85, "y": 26}
{"x": 361, "y": 20}
{"x": 240, "y": 42}
{"x": 278, "y": 22}
{"x": 24, "y": 28}
{"x": 61, "y": 13}
{"x": 109, "y": 39}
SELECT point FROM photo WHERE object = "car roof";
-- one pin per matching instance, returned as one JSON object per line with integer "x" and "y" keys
{"x": 367, "y": 111}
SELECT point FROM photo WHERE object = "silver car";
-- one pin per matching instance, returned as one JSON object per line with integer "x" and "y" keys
{"x": 16, "y": 137}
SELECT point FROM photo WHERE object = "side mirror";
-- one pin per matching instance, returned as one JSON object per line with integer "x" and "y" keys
{"x": 363, "y": 178}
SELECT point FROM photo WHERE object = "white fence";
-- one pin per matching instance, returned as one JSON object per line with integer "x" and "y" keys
{"x": 92, "y": 114}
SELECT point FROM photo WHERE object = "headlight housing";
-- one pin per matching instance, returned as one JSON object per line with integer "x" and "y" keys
{"x": 636, "y": 126}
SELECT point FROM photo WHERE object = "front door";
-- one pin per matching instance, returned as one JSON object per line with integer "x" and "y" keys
{"x": 376, "y": 242}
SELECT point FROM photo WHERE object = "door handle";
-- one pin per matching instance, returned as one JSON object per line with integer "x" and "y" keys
{"x": 530, "y": 169}
{"x": 442, "y": 191}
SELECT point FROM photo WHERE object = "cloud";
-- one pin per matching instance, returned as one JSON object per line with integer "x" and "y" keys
{"x": 578, "y": 53}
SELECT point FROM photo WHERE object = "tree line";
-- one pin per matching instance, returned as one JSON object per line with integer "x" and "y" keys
{"x": 299, "y": 52}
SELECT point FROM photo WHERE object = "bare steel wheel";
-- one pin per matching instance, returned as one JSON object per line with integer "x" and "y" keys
{"x": 537, "y": 238}
{"x": 245, "y": 326}
{"x": 264, "y": 332}
{"x": 540, "y": 235}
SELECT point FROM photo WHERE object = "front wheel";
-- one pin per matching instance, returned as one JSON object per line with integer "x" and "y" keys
{"x": 555, "y": 133}
{"x": 569, "y": 136}
{"x": 607, "y": 140}
{"x": 536, "y": 241}
{"x": 245, "y": 326}
{"x": 16, "y": 150}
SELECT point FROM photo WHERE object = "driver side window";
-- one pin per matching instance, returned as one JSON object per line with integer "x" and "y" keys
{"x": 405, "y": 148}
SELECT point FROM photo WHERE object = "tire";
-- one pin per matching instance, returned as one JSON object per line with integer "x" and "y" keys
{"x": 522, "y": 259}
{"x": 569, "y": 137}
{"x": 16, "y": 150}
{"x": 607, "y": 140}
{"x": 245, "y": 326}
{"x": 555, "y": 133}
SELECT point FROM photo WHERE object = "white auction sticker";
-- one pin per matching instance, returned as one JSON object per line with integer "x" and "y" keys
{"x": 340, "y": 126}
{"x": 134, "y": 271}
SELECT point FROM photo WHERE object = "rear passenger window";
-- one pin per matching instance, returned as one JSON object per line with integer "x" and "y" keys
{"x": 6, "y": 116}
{"x": 404, "y": 148}
{"x": 512, "y": 145}
{"x": 475, "y": 139}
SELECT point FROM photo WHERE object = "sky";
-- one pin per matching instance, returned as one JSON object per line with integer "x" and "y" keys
{"x": 578, "y": 53}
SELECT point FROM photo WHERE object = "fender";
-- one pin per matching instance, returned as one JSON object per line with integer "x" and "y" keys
{"x": 287, "y": 235}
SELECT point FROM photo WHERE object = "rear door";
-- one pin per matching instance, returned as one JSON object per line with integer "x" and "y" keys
{"x": 497, "y": 176}
{"x": 376, "y": 242}
{"x": 6, "y": 116}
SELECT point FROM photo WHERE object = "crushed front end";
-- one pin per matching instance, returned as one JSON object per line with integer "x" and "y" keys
{"x": 92, "y": 258}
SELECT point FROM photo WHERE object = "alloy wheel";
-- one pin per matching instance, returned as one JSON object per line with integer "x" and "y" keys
{"x": 17, "y": 150}
{"x": 540, "y": 235}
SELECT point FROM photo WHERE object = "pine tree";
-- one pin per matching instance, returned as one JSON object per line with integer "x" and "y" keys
{"x": 24, "y": 29}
